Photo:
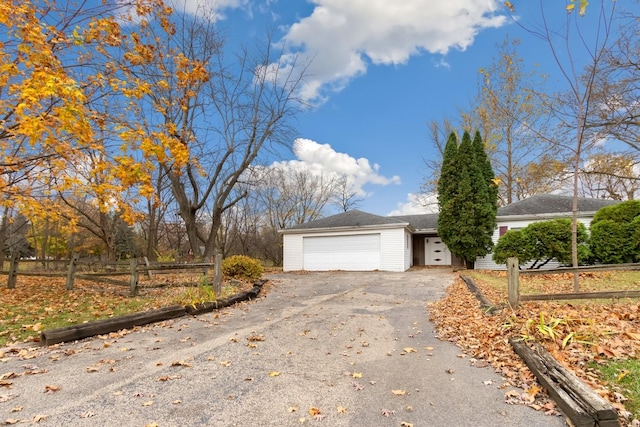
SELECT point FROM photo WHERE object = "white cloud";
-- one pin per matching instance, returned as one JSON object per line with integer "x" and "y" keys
{"x": 215, "y": 6}
{"x": 417, "y": 204}
{"x": 341, "y": 38}
{"x": 323, "y": 159}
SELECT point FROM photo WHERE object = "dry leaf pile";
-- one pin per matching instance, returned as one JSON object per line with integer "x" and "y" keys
{"x": 575, "y": 334}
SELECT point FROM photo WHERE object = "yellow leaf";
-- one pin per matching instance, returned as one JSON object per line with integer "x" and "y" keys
{"x": 148, "y": 403}
{"x": 274, "y": 373}
{"x": 357, "y": 375}
{"x": 399, "y": 392}
{"x": 410, "y": 350}
{"x": 341, "y": 410}
{"x": 623, "y": 373}
{"x": 314, "y": 411}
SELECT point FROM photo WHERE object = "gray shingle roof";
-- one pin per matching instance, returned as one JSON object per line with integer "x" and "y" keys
{"x": 354, "y": 218}
{"x": 535, "y": 205}
{"x": 420, "y": 222}
{"x": 552, "y": 203}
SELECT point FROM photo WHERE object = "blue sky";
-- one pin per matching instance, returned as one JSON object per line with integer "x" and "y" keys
{"x": 382, "y": 70}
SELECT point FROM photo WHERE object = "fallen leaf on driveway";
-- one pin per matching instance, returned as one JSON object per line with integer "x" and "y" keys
{"x": 399, "y": 392}
{"x": 274, "y": 373}
{"x": 51, "y": 388}
{"x": 341, "y": 410}
{"x": 387, "y": 412}
{"x": 409, "y": 350}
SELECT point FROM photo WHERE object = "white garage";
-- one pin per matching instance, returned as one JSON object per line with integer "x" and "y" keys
{"x": 351, "y": 241}
{"x": 360, "y": 252}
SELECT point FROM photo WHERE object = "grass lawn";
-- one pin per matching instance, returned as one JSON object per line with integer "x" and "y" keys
{"x": 624, "y": 376}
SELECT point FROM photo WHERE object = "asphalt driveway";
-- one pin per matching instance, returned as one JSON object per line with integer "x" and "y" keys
{"x": 334, "y": 349}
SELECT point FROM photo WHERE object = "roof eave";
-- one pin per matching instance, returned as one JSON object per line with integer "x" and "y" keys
{"x": 543, "y": 216}
{"x": 405, "y": 225}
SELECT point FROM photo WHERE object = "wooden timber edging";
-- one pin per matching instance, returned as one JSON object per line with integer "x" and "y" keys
{"x": 207, "y": 307}
{"x": 105, "y": 326}
{"x": 583, "y": 406}
{"x": 486, "y": 305}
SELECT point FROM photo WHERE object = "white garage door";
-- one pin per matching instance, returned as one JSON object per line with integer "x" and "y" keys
{"x": 356, "y": 253}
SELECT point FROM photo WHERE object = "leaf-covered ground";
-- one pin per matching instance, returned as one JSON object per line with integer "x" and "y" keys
{"x": 580, "y": 334}
{"x": 40, "y": 303}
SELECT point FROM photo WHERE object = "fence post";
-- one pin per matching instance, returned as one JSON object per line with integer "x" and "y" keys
{"x": 513, "y": 273}
{"x": 133, "y": 279}
{"x": 71, "y": 272}
{"x": 13, "y": 271}
{"x": 148, "y": 265}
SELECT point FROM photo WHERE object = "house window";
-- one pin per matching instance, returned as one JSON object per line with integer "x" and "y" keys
{"x": 503, "y": 230}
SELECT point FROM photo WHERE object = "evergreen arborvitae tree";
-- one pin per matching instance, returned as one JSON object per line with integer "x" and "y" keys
{"x": 487, "y": 171}
{"x": 449, "y": 172}
{"x": 447, "y": 189}
{"x": 467, "y": 210}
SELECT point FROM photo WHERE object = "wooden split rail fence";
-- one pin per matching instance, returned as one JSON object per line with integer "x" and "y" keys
{"x": 131, "y": 270}
{"x": 514, "y": 272}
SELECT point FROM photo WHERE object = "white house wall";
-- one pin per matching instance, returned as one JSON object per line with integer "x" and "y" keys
{"x": 394, "y": 253}
{"x": 393, "y": 247}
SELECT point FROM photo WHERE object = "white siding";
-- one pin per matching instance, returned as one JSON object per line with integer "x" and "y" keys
{"x": 292, "y": 252}
{"x": 393, "y": 246}
{"x": 408, "y": 250}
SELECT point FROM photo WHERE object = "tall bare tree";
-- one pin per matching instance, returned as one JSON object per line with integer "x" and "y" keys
{"x": 510, "y": 116}
{"x": 572, "y": 41}
{"x": 204, "y": 115}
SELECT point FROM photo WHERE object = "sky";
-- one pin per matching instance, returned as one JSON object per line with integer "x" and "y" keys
{"x": 380, "y": 71}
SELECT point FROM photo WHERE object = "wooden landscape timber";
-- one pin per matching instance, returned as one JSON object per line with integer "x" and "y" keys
{"x": 207, "y": 307}
{"x": 583, "y": 406}
{"x": 105, "y": 326}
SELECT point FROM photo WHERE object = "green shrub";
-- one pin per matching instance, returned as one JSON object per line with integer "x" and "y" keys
{"x": 242, "y": 267}
{"x": 615, "y": 233}
{"x": 512, "y": 244}
{"x": 541, "y": 242}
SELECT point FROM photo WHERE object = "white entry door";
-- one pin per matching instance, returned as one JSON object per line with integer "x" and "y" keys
{"x": 436, "y": 252}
